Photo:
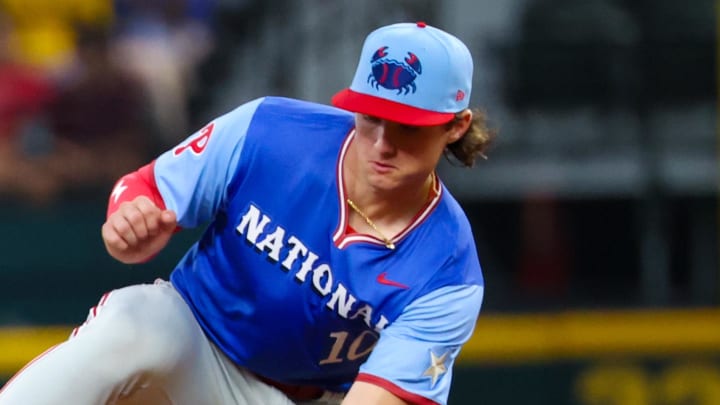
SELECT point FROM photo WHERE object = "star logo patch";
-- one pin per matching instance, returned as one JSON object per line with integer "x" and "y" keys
{"x": 437, "y": 367}
{"x": 117, "y": 192}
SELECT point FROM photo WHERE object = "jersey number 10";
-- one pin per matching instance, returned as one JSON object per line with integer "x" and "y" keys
{"x": 357, "y": 348}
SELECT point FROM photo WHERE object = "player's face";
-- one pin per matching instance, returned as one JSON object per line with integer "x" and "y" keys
{"x": 394, "y": 155}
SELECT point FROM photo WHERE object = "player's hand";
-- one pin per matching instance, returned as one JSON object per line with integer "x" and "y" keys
{"x": 138, "y": 230}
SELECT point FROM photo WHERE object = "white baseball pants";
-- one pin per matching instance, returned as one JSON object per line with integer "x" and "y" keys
{"x": 140, "y": 345}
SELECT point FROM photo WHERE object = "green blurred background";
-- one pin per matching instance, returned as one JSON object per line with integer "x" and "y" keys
{"x": 595, "y": 216}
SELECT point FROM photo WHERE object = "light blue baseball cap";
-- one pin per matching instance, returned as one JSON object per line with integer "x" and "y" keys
{"x": 410, "y": 73}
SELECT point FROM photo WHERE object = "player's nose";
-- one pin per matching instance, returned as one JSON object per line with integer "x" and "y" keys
{"x": 383, "y": 139}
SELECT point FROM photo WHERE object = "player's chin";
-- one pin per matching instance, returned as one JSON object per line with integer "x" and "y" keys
{"x": 384, "y": 181}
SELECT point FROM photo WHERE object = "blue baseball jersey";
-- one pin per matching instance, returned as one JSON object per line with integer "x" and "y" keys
{"x": 282, "y": 285}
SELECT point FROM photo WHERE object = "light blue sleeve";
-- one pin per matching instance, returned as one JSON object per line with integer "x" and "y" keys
{"x": 417, "y": 351}
{"x": 193, "y": 177}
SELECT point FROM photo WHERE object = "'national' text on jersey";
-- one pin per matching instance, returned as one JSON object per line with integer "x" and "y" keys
{"x": 341, "y": 302}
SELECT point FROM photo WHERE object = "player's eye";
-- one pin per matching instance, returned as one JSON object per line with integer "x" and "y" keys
{"x": 409, "y": 128}
{"x": 370, "y": 118}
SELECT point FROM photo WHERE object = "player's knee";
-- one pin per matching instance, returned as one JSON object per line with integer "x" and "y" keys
{"x": 145, "y": 321}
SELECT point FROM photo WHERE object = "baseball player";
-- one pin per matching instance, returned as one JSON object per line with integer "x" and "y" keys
{"x": 335, "y": 266}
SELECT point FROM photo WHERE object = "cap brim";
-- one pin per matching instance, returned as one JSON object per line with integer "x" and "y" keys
{"x": 389, "y": 110}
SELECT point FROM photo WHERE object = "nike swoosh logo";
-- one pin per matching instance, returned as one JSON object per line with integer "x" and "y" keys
{"x": 382, "y": 279}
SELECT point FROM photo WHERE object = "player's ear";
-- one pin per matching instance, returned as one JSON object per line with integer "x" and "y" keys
{"x": 459, "y": 125}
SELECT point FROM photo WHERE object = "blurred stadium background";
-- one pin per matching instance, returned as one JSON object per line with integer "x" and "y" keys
{"x": 596, "y": 214}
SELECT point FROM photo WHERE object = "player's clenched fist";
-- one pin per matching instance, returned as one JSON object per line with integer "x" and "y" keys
{"x": 138, "y": 230}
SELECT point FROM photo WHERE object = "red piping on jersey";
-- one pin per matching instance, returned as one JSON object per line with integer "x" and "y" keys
{"x": 414, "y": 399}
{"x": 340, "y": 230}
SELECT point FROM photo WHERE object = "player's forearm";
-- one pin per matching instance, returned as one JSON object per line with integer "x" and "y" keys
{"x": 138, "y": 226}
{"x": 138, "y": 230}
{"x": 135, "y": 184}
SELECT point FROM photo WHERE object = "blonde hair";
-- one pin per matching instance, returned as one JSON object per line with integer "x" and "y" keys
{"x": 474, "y": 142}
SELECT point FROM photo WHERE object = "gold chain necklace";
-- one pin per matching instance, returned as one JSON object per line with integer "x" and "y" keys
{"x": 388, "y": 243}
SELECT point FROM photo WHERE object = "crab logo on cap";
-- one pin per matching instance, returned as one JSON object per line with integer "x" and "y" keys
{"x": 394, "y": 75}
